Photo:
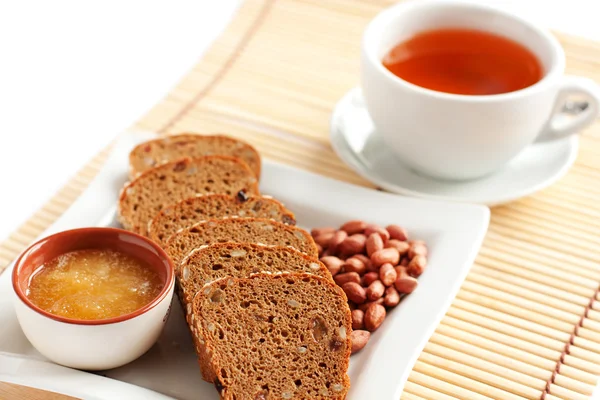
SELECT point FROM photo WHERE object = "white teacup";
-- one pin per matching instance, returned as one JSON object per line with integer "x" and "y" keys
{"x": 451, "y": 136}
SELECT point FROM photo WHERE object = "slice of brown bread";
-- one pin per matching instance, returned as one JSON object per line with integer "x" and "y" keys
{"x": 171, "y": 148}
{"x": 274, "y": 336}
{"x": 209, "y": 263}
{"x": 146, "y": 195}
{"x": 239, "y": 230}
{"x": 200, "y": 208}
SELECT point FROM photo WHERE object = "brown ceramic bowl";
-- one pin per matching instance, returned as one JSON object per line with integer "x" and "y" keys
{"x": 93, "y": 344}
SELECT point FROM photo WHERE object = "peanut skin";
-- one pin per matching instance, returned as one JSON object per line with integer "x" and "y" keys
{"x": 387, "y": 274}
{"x": 340, "y": 279}
{"x": 359, "y": 340}
{"x": 372, "y": 228}
{"x": 319, "y": 231}
{"x": 333, "y": 264}
{"x": 352, "y": 245}
{"x": 389, "y": 255}
{"x": 335, "y": 241}
{"x": 392, "y": 297}
{"x": 375, "y": 290}
{"x": 366, "y": 260}
{"x": 417, "y": 248}
{"x": 323, "y": 239}
{"x": 374, "y": 243}
{"x": 397, "y": 232}
{"x": 374, "y": 316}
{"x": 369, "y": 278}
{"x": 402, "y": 247}
{"x": 353, "y": 264}
{"x": 417, "y": 265}
{"x": 355, "y": 292}
{"x": 366, "y": 305}
{"x": 358, "y": 317}
{"x": 319, "y": 249}
{"x": 405, "y": 283}
{"x": 355, "y": 226}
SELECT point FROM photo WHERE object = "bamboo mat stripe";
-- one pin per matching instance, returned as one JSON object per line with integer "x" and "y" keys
{"x": 526, "y": 322}
{"x": 13, "y": 391}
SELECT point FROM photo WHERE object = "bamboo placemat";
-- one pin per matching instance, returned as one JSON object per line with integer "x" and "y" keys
{"x": 526, "y": 323}
{"x": 9, "y": 391}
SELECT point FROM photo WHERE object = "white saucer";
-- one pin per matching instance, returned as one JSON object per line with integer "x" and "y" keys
{"x": 355, "y": 140}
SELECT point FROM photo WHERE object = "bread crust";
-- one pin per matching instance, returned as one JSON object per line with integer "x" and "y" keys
{"x": 169, "y": 177}
{"x": 203, "y": 207}
{"x": 148, "y": 154}
{"x": 239, "y": 260}
{"x": 239, "y": 230}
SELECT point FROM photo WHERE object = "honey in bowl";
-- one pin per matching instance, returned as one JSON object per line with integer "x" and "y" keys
{"x": 464, "y": 61}
{"x": 93, "y": 284}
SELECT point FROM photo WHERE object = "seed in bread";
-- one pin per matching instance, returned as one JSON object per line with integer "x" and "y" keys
{"x": 206, "y": 264}
{"x": 171, "y": 148}
{"x": 239, "y": 230}
{"x": 274, "y": 336}
{"x": 155, "y": 188}
{"x": 200, "y": 208}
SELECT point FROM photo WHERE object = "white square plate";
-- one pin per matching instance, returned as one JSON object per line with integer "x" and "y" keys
{"x": 453, "y": 232}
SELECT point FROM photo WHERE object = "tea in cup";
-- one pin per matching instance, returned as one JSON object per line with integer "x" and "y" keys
{"x": 458, "y": 89}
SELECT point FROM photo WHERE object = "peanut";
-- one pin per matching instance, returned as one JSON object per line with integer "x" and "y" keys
{"x": 417, "y": 265}
{"x": 355, "y": 292}
{"x": 372, "y": 267}
{"x": 405, "y": 283}
{"x": 374, "y": 316}
{"x": 353, "y": 244}
{"x": 372, "y": 228}
{"x": 333, "y": 264}
{"x": 397, "y": 232}
{"x": 337, "y": 239}
{"x": 383, "y": 256}
{"x": 387, "y": 274}
{"x": 364, "y": 306}
{"x": 353, "y": 264}
{"x": 359, "y": 340}
{"x": 323, "y": 239}
{"x": 319, "y": 231}
{"x": 374, "y": 243}
{"x": 369, "y": 278}
{"x": 355, "y": 226}
{"x": 358, "y": 317}
{"x": 319, "y": 249}
{"x": 417, "y": 249}
{"x": 391, "y": 298}
{"x": 366, "y": 260}
{"x": 375, "y": 290}
{"x": 402, "y": 247}
{"x": 340, "y": 279}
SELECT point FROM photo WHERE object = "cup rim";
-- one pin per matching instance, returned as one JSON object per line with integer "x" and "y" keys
{"x": 17, "y": 268}
{"x": 373, "y": 32}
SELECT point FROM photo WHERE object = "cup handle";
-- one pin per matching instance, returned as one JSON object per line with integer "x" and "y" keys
{"x": 575, "y": 114}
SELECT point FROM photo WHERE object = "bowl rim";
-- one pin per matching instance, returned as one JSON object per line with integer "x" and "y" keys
{"x": 106, "y": 321}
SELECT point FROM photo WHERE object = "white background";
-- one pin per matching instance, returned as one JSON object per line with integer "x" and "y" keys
{"x": 73, "y": 74}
